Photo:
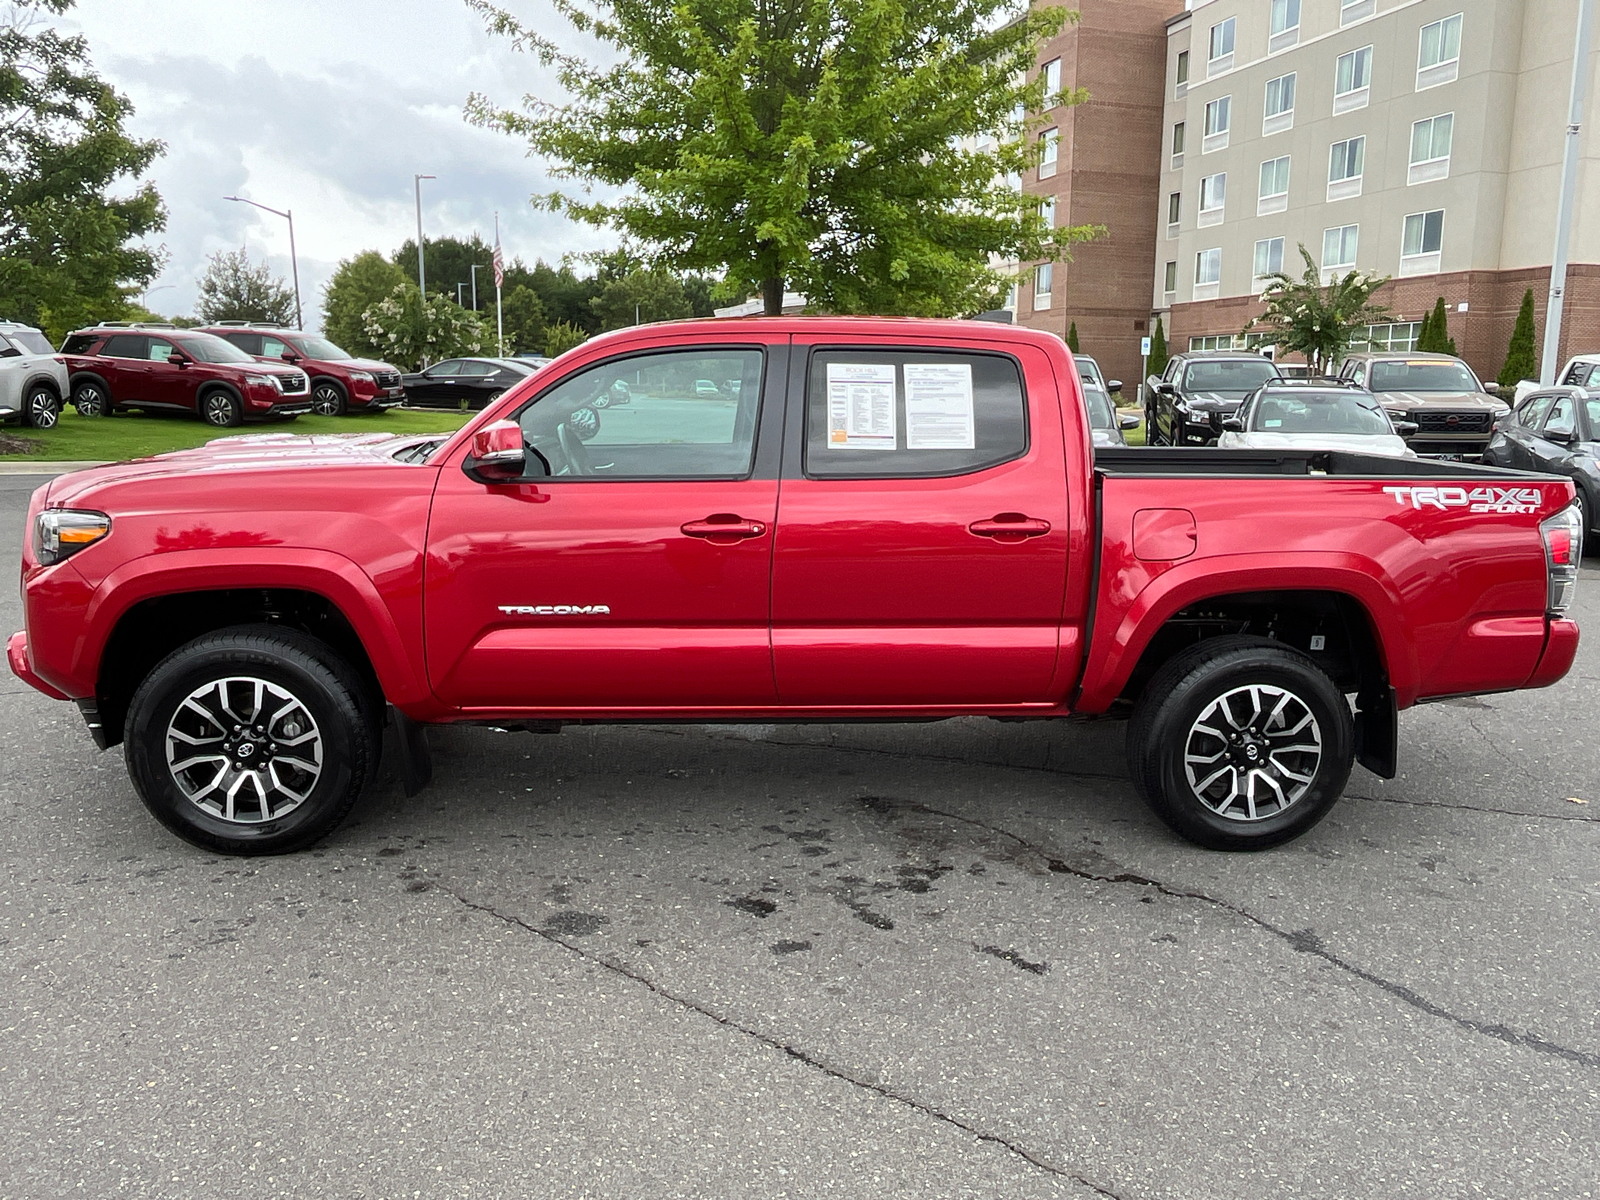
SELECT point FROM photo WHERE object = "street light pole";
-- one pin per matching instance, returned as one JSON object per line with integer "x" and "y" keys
{"x": 294, "y": 262}
{"x": 459, "y": 286}
{"x": 476, "y": 267}
{"x": 422, "y": 271}
{"x": 1569, "y": 188}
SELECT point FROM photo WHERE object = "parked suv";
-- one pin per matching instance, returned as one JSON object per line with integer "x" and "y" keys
{"x": 1199, "y": 390}
{"x": 1438, "y": 393}
{"x": 161, "y": 368}
{"x": 340, "y": 382}
{"x": 33, "y": 381}
{"x": 1556, "y": 431}
{"x": 1582, "y": 370}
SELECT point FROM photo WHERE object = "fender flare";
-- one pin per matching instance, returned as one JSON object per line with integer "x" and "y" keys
{"x": 325, "y": 573}
{"x": 1117, "y": 649}
{"x": 45, "y": 378}
{"x": 77, "y": 377}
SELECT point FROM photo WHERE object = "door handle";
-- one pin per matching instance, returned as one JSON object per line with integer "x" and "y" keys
{"x": 1010, "y": 527}
{"x": 724, "y": 529}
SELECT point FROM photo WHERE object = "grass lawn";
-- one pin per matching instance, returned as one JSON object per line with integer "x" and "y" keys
{"x": 79, "y": 439}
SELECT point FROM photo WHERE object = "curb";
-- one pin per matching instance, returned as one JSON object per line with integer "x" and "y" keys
{"x": 21, "y": 466}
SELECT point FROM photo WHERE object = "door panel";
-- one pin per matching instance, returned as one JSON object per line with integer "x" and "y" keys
{"x": 923, "y": 591}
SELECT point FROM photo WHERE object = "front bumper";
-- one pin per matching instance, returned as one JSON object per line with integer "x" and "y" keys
{"x": 289, "y": 406}
{"x": 387, "y": 398}
{"x": 17, "y": 656}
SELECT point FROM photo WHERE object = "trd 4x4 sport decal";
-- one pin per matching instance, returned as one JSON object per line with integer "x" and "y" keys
{"x": 1477, "y": 500}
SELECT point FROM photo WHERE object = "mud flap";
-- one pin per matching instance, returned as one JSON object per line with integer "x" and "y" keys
{"x": 1378, "y": 732}
{"x": 416, "y": 759}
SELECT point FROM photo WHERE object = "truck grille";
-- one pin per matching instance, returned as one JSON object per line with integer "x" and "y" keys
{"x": 294, "y": 384}
{"x": 386, "y": 379}
{"x": 1449, "y": 422}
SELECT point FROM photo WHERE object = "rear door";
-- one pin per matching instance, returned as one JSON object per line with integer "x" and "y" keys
{"x": 124, "y": 363}
{"x": 636, "y": 574}
{"x": 1521, "y": 431}
{"x": 921, "y": 556}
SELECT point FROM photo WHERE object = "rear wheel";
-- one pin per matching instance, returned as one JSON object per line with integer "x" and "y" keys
{"x": 41, "y": 407}
{"x": 252, "y": 740}
{"x": 90, "y": 399}
{"x": 328, "y": 400}
{"x": 219, "y": 408}
{"x": 1241, "y": 743}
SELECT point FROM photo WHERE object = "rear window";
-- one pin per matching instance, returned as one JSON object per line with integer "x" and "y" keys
{"x": 77, "y": 343}
{"x": 878, "y": 414}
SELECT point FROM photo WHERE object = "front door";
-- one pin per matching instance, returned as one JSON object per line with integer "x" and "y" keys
{"x": 923, "y": 528}
{"x": 630, "y": 568}
{"x": 165, "y": 380}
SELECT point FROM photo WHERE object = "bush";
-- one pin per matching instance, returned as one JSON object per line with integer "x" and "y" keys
{"x": 1521, "y": 359}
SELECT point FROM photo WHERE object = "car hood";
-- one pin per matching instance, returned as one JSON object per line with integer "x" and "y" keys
{"x": 1388, "y": 445}
{"x": 266, "y": 452}
{"x": 1451, "y": 400}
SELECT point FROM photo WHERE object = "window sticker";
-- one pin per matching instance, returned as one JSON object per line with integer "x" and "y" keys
{"x": 861, "y": 413}
{"x": 939, "y": 406}
{"x": 1272, "y": 424}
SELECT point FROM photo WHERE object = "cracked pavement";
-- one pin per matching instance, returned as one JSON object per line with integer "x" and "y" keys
{"x": 954, "y": 959}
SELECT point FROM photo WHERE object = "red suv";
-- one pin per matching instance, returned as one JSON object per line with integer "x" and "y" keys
{"x": 164, "y": 369}
{"x": 340, "y": 383}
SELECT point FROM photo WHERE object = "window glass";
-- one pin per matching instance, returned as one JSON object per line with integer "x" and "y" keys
{"x": 1228, "y": 375}
{"x": 1170, "y": 282}
{"x": 322, "y": 348}
{"x": 1533, "y": 410}
{"x": 1422, "y": 375}
{"x": 1177, "y": 138}
{"x": 1269, "y": 257}
{"x": 204, "y": 347}
{"x": 1213, "y": 192}
{"x": 672, "y": 427}
{"x": 1101, "y": 414}
{"x": 1043, "y": 275}
{"x": 250, "y": 343}
{"x": 1430, "y": 139}
{"x": 126, "y": 345}
{"x": 1208, "y": 265}
{"x": 878, "y": 414}
{"x": 1050, "y": 140}
{"x": 1592, "y": 408}
{"x": 1222, "y": 39}
{"x": 1280, "y": 95}
{"x": 1346, "y": 159}
{"x": 449, "y": 366}
{"x": 1441, "y": 42}
{"x": 1183, "y": 66}
{"x": 1089, "y": 371}
{"x": 1285, "y": 15}
{"x": 1563, "y": 419}
{"x": 1174, "y": 207}
{"x": 1052, "y": 81}
{"x": 161, "y": 350}
{"x": 1319, "y": 412}
{"x": 272, "y": 347}
{"x": 1353, "y": 71}
{"x": 1047, "y": 211}
{"x": 1218, "y": 115}
{"x": 1424, "y": 233}
{"x": 1339, "y": 246}
{"x": 1275, "y": 176}
{"x": 77, "y": 343}
{"x": 31, "y": 342}
{"x": 474, "y": 370}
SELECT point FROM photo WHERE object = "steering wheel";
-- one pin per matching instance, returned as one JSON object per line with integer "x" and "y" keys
{"x": 573, "y": 450}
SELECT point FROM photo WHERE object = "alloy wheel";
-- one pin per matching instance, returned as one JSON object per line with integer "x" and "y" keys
{"x": 244, "y": 749}
{"x": 89, "y": 400}
{"x": 1253, "y": 752}
{"x": 219, "y": 409}
{"x": 43, "y": 409}
{"x": 326, "y": 400}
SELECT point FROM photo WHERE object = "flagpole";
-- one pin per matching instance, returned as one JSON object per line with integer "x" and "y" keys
{"x": 499, "y": 275}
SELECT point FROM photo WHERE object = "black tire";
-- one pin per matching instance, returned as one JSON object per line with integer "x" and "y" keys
{"x": 90, "y": 399}
{"x": 221, "y": 409}
{"x": 345, "y": 726}
{"x": 1586, "y": 516}
{"x": 41, "y": 407}
{"x": 1152, "y": 435}
{"x": 328, "y": 399}
{"x": 1166, "y": 737}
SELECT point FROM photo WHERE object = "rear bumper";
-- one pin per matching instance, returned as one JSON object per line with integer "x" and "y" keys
{"x": 1560, "y": 648}
{"x": 22, "y": 668}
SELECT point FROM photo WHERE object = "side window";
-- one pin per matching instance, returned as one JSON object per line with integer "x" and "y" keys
{"x": 272, "y": 347}
{"x": 448, "y": 367}
{"x": 474, "y": 370}
{"x": 1171, "y": 372}
{"x": 125, "y": 345}
{"x": 1562, "y": 422}
{"x": 1533, "y": 410}
{"x": 77, "y": 343}
{"x": 882, "y": 414}
{"x": 160, "y": 349}
{"x": 673, "y": 426}
{"x": 250, "y": 343}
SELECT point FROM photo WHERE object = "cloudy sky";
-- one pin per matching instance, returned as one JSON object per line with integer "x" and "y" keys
{"x": 325, "y": 107}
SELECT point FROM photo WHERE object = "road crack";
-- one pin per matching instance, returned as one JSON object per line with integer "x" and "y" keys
{"x": 1302, "y": 941}
{"x": 1501, "y": 812}
{"x": 775, "y": 1043}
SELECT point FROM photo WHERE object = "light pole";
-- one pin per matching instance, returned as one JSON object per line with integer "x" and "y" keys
{"x": 476, "y": 267}
{"x": 294, "y": 266}
{"x": 1569, "y": 187}
{"x": 459, "y": 286}
{"x": 422, "y": 271}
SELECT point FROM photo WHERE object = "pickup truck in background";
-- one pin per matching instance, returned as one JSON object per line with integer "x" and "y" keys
{"x": 859, "y": 519}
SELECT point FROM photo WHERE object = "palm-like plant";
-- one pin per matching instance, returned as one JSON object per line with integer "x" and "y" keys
{"x": 1318, "y": 322}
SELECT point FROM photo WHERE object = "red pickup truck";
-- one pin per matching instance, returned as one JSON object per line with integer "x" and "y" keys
{"x": 794, "y": 520}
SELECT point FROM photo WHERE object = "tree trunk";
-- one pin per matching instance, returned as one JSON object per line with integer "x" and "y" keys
{"x": 772, "y": 297}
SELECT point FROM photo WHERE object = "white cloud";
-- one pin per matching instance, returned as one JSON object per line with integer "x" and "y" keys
{"x": 325, "y": 109}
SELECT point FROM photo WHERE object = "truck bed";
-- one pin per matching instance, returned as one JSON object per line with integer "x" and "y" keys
{"x": 1214, "y": 462}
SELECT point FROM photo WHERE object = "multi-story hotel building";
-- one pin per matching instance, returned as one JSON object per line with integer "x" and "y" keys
{"x": 1420, "y": 139}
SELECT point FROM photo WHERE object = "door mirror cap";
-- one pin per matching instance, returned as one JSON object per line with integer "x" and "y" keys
{"x": 289, "y": 356}
{"x": 497, "y": 450}
{"x": 1233, "y": 424}
{"x": 1113, "y": 385}
{"x": 179, "y": 360}
{"x": 1127, "y": 421}
{"x": 1406, "y": 428}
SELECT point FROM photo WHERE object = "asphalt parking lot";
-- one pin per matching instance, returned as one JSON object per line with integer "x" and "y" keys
{"x": 923, "y": 961}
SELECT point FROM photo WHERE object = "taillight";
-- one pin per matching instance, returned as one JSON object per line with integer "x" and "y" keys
{"x": 1563, "y": 551}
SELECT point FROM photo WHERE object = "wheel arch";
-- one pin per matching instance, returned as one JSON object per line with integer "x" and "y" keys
{"x": 81, "y": 376}
{"x": 48, "y": 380}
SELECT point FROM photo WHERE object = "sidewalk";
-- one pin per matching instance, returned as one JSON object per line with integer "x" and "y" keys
{"x": 38, "y": 466}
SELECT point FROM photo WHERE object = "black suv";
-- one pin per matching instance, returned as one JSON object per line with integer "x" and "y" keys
{"x": 1198, "y": 391}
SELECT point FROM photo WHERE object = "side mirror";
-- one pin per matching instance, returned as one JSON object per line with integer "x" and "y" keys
{"x": 497, "y": 454}
{"x": 1113, "y": 385}
{"x": 1232, "y": 424}
{"x": 178, "y": 360}
{"x": 1127, "y": 421}
{"x": 289, "y": 356}
{"x": 1406, "y": 428}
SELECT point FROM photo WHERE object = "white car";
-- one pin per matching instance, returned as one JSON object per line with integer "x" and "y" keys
{"x": 1582, "y": 370}
{"x": 1288, "y": 416}
{"x": 33, "y": 381}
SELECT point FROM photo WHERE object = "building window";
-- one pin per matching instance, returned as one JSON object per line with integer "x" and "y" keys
{"x": 1177, "y": 145}
{"x": 1339, "y": 250}
{"x": 1420, "y": 245}
{"x": 1430, "y": 148}
{"x": 1207, "y": 273}
{"x": 1346, "y": 161}
{"x": 1047, "y": 211}
{"x": 1174, "y": 208}
{"x": 1351, "y": 11}
{"x": 1169, "y": 281}
{"x": 1219, "y": 119}
{"x": 1050, "y": 139}
{"x": 1221, "y": 58}
{"x": 1183, "y": 66}
{"x": 1268, "y": 261}
{"x": 1043, "y": 276}
{"x": 1227, "y": 341}
{"x": 1052, "y": 82}
{"x": 1213, "y": 196}
{"x": 1285, "y": 25}
{"x": 1279, "y": 108}
{"x": 1439, "y": 53}
{"x": 1273, "y": 195}
{"x": 1352, "y": 80}
{"x": 1399, "y": 335}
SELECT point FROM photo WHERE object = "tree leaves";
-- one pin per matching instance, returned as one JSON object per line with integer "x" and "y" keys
{"x": 234, "y": 289}
{"x": 1318, "y": 322}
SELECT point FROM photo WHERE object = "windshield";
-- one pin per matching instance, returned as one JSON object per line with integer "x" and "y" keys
{"x": 205, "y": 347}
{"x": 1230, "y": 375}
{"x": 315, "y": 347}
{"x": 31, "y": 341}
{"x": 1101, "y": 415}
{"x": 1089, "y": 370}
{"x": 1422, "y": 377}
{"x": 1319, "y": 412}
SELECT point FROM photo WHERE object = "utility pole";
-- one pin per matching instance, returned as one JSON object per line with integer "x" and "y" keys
{"x": 294, "y": 263}
{"x": 1569, "y": 188}
{"x": 476, "y": 267}
{"x": 459, "y": 286}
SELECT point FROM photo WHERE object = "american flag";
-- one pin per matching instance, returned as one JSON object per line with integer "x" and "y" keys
{"x": 499, "y": 262}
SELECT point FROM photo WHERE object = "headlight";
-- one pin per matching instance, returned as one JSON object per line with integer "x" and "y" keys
{"x": 1501, "y": 410}
{"x": 268, "y": 381}
{"x": 62, "y": 532}
{"x": 362, "y": 376}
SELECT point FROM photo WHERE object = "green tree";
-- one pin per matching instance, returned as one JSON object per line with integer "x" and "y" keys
{"x": 66, "y": 244}
{"x": 234, "y": 289}
{"x": 1318, "y": 322}
{"x": 355, "y": 286}
{"x": 812, "y": 147}
{"x": 449, "y": 261}
{"x": 1435, "y": 336}
{"x": 1158, "y": 350}
{"x": 1425, "y": 334}
{"x": 641, "y": 296}
{"x": 1521, "y": 360}
{"x": 1072, "y": 337}
{"x": 561, "y": 337}
{"x": 523, "y": 315}
{"x": 566, "y": 296}
{"x": 404, "y": 336}
{"x": 700, "y": 291}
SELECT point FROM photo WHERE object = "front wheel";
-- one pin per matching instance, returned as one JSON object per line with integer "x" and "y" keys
{"x": 328, "y": 400}
{"x": 41, "y": 408}
{"x": 220, "y": 409}
{"x": 251, "y": 740}
{"x": 1241, "y": 743}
